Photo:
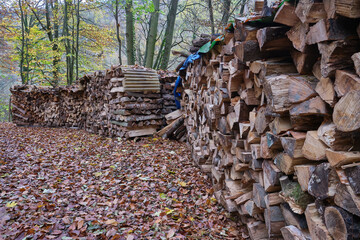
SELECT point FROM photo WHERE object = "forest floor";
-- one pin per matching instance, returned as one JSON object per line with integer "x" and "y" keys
{"x": 68, "y": 184}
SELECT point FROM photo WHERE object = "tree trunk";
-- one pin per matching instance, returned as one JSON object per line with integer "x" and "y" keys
{"x": 69, "y": 65}
{"x": 23, "y": 79}
{"x": 169, "y": 33}
{"x": 130, "y": 33}
{"x": 77, "y": 38}
{"x": 151, "y": 40}
{"x": 117, "y": 22}
{"x": 226, "y": 13}
{"x": 211, "y": 14}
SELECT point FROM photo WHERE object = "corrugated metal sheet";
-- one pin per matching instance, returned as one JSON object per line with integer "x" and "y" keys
{"x": 140, "y": 80}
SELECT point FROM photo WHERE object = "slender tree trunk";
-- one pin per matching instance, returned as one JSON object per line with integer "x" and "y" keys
{"x": 130, "y": 32}
{"x": 69, "y": 66}
{"x": 55, "y": 47}
{"x": 23, "y": 79}
{"x": 151, "y": 40}
{"x": 159, "y": 56}
{"x": 226, "y": 13}
{"x": 77, "y": 37}
{"x": 117, "y": 22}
{"x": 72, "y": 47}
{"x": 211, "y": 14}
{"x": 169, "y": 32}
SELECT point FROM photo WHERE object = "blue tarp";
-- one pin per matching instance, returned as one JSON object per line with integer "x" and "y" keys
{"x": 178, "y": 82}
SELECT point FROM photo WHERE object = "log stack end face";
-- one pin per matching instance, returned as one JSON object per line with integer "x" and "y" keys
{"x": 297, "y": 144}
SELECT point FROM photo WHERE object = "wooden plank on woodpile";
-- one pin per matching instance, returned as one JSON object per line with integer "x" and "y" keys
{"x": 141, "y": 132}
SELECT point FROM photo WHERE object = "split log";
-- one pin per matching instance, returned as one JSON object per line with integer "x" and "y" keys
{"x": 291, "y": 218}
{"x": 313, "y": 148}
{"x": 310, "y": 11}
{"x": 273, "y": 39}
{"x": 356, "y": 60}
{"x": 286, "y": 15}
{"x": 293, "y": 233}
{"x": 257, "y": 230}
{"x": 271, "y": 177}
{"x": 273, "y": 141}
{"x": 341, "y": 224}
{"x": 304, "y": 61}
{"x": 293, "y": 146}
{"x": 259, "y": 195}
{"x": 309, "y": 114}
{"x": 274, "y": 221}
{"x": 346, "y": 113}
{"x": 286, "y": 163}
{"x": 273, "y": 199}
{"x": 335, "y": 139}
{"x": 344, "y": 200}
{"x": 303, "y": 173}
{"x": 345, "y": 81}
{"x": 317, "y": 227}
{"x": 280, "y": 125}
{"x": 327, "y": 30}
{"x": 336, "y": 55}
{"x": 329, "y": 6}
{"x": 325, "y": 89}
{"x": 339, "y": 158}
{"x": 323, "y": 182}
{"x": 348, "y": 8}
{"x": 297, "y": 35}
{"x": 352, "y": 172}
{"x": 248, "y": 51}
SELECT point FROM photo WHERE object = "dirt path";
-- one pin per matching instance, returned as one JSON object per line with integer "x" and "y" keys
{"x": 58, "y": 183}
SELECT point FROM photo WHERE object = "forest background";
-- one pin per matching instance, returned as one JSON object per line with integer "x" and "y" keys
{"x": 54, "y": 42}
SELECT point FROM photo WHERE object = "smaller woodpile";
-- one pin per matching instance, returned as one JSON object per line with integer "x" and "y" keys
{"x": 136, "y": 103}
{"x": 175, "y": 129}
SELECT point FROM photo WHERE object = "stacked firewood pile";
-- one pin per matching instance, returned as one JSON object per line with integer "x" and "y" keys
{"x": 45, "y": 106}
{"x": 121, "y": 101}
{"x": 167, "y": 82}
{"x": 273, "y": 113}
{"x": 135, "y": 102}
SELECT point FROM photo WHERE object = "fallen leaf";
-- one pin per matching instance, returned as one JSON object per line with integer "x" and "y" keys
{"x": 183, "y": 184}
{"x": 112, "y": 222}
{"x": 171, "y": 233}
{"x": 11, "y": 204}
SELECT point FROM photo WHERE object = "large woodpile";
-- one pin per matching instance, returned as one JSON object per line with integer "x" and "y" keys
{"x": 44, "y": 106}
{"x": 123, "y": 102}
{"x": 273, "y": 113}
